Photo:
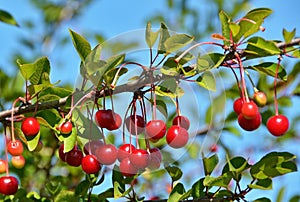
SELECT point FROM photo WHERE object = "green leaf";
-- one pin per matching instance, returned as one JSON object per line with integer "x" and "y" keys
{"x": 65, "y": 196}
{"x": 81, "y": 45}
{"x": 70, "y": 140}
{"x": 176, "y": 42}
{"x": 221, "y": 181}
{"x": 36, "y": 89}
{"x": 269, "y": 68}
{"x": 259, "y": 47}
{"x": 94, "y": 55}
{"x": 176, "y": 193}
{"x": 207, "y": 80}
{"x": 210, "y": 164}
{"x": 35, "y": 72}
{"x": 7, "y": 18}
{"x": 264, "y": 199}
{"x": 288, "y": 36}
{"x": 110, "y": 75}
{"x": 237, "y": 164}
{"x": 169, "y": 88}
{"x": 274, "y": 164}
{"x": 295, "y": 198}
{"x": 280, "y": 194}
{"x": 224, "y": 19}
{"x": 53, "y": 187}
{"x": 82, "y": 188}
{"x": 209, "y": 61}
{"x": 247, "y": 27}
{"x": 33, "y": 141}
{"x": 162, "y": 107}
{"x": 234, "y": 28}
{"x": 163, "y": 36}
{"x": 109, "y": 193}
{"x": 264, "y": 184}
{"x": 151, "y": 36}
{"x": 174, "y": 172}
{"x": 198, "y": 189}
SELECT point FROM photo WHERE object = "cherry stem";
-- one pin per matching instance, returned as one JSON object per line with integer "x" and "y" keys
{"x": 251, "y": 81}
{"x": 237, "y": 80}
{"x": 177, "y": 106}
{"x": 275, "y": 86}
{"x": 194, "y": 46}
{"x": 6, "y": 152}
{"x": 12, "y": 119}
{"x": 244, "y": 89}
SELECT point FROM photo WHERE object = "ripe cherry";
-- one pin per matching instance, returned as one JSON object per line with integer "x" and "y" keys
{"x": 61, "y": 153}
{"x": 127, "y": 169}
{"x": 107, "y": 154}
{"x": 108, "y": 119}
{"x": 15, "y": 148}
{"x": 124, "y": 151}
{"x": 214, "y": 148}
{"x": 249, "y": 124}
{"x": 237, "y": 105}
{"x": 30, "y": 126}
{"x": 249, "y": 110}
{"x": 177, "y": 137}
{"x": 139, "y": 158}
{"x": 93, "y": 145}
{"x": 2, "y": 166}
{"x": 156, "y": 129}
{"x": 90, "y": 165}
{"x": 278, "y": 125}
{"x": 8, "y": 185}
{"x": 156, "y": 152}
{"x": 74, "y": 157}
{"x": 155, "y": 159}
{"x": 66, "y": 128}
{"x": 260, "y": 98}
{"x": 130, "y": 124}
{"x": 18, "y": 161}
{"x": 182, "y": 121}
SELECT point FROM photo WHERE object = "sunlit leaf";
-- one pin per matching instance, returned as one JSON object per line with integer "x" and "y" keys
{"x": 163, "y": 36}
{"x": 176, "y": 42}
{"x": 207, "y": 80}
{"x": 269, "y": 68}
{"x": 210, "y": 164}
{"x": 259, "y": 47}
{"x": 81, "y": 45}
{"x": 70, "y": 140}
{"x": 198, "y": 189}
{"x": 6, "y": 17}
{"x": 264, "y": 184}
{"x": 222, "y": 181}
{"x": 174, "y": 172}
{"x": 224, "y": 19}
{"x": 209, "y": 61}
{"x": 176, "y": 193}
{"x": 151, "y": 36}
{"x": 33, "y": 141}
{"x": 288, "y": 36}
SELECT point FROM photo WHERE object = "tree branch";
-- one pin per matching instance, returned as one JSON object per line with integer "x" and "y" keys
{"x": 294, "y": 42}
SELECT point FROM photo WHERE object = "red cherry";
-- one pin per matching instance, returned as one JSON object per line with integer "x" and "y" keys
{"x": 61, "y": 153}
{"x": 249, "y": 110}
{"x": 66, "y": 128}
{"x": 278, "y": 125}
{"x": 127, "y": 169}
{"x": 107, "y": 154}
{"x": 156, "y": 152}
{"x": 8, "y": 185}
{"x": 2, "y": 166}
{"x": 124, "y": 151}
{"x": 260, "y": 98}
{"x": 214, "y": 148}
{"x": 90, "y": 165}
{"x": 93, "y": 145}
{"x": 18, "y": 161}
{"x": 155, "y": 159}
{"x": 116, "y": 122}
{"x": 156, "y": 129}
{"x": 15, "y": 148}
{"x": 130, "y": 124}
{"x": 249, "y": 124}
{"x": 237, "y": 105}
{"x": 30, "y": 126}
{"x": 182, "y": 121}
{"x": 177, "y": 137}
{"x": 74, "y": 157}
{"x": 139, "y": 158}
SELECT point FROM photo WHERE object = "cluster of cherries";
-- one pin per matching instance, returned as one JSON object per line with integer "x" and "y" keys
{"x": 132, "y": 160}
{"x": 249, "y": 117}
{"x": 9, "y": 184}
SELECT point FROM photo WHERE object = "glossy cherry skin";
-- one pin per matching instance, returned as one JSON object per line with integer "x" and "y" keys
{"x": 249, "y": 110}
{"x": 116, "y": 122}
{"x": 8, "y": 185}
{"x": 107, "y": 154}
{"x": 125, "y": 151}
{"x": 92, "y": 145}
{"x": 139, "y": 158}
{"x": 260, "y": 98}
{"x": 18, "y": 161}
{"x": 156, "y": 129}
{"x": 182, "y": 121}
{"x": 66, "y": 128}
{"x": 2, "y": 166}
{"x": 156, "y": 152}
{"x": 30, "y": 126}
{"x": 90, "y": 165}
{"x": 61, "y": 153}
{"x": 108, "y": 119}
{"x": 249, "y": 124}
{"x": 177, "y": 137}
{"x": 127, "y": 169}
{"x": 278, "y": 125}
{"x": 130, "y": 124}
{"x": 74, "y": 157}
{"x": 155, "y": 158}
{"x": 15, "y": 148}
{"x": 237, "y": 105}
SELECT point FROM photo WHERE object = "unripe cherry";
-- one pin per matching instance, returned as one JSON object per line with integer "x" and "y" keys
{"x": 260, "y": 98}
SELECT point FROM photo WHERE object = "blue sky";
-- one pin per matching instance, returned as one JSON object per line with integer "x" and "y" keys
{"x": 112, "y": 18}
